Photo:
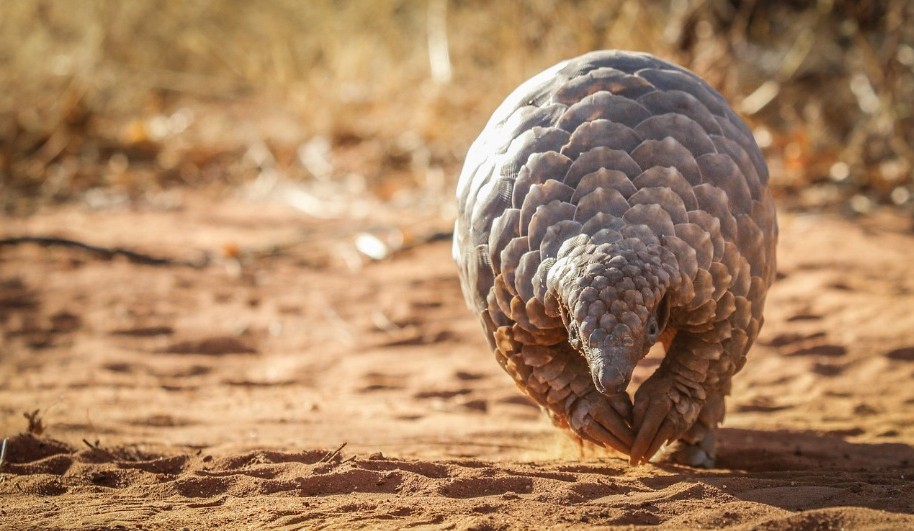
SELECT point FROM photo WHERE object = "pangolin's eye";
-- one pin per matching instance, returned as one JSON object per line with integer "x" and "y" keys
{"x": 573, "y": 338}
{"x": 653, "y": 329}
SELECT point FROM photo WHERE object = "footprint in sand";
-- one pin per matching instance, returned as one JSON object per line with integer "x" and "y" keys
{"x": 457, "y": 397}
{"x": 211, "y": 346}
{"x": 782, "y": 340}
{"x": 378, "y": 381}
{"x": 827, "y": 369}
{"x": 812, "y": 344}
{"x": 476, "y": 487}
{"x": 828, "y": 350}
{"x": 804, "y": 317}
{"x": 143, "y": 331}
{"x": 901, "y": 354}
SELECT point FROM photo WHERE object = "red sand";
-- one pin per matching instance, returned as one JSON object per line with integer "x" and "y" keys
{"x": 172, "y": 397}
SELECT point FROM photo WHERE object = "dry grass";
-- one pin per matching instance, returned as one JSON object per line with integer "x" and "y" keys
{"x": 115, "y": 101}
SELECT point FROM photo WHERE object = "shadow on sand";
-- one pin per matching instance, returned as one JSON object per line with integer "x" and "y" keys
{"x": 806, "y": 471}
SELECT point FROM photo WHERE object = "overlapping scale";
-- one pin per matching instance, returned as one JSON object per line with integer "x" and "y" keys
{"x": 510, "y": 257}
{"x": 747, "y": 169}
{"x": 505, "y": 228}
{"x": 536, "y": 140}
{"x": 540, "y": 195}
{"x": 603, "y": 106}
{"x": 721, "y": 172}
{"x": 602, "y": 200}
{"x": 602, "y": 80}
{"x": 715, "y": 202}
{"x": 603, "y": 178}
{"x": 663, "y": 197}
{"x": 668, "y": 177}
{"x": 603, "y": 158}
{"x": 698, "y": 239}
{"x": 538, "y": 169}
{"x": 651, "y": 215}
{"x": 683, "y": 129}
{"x": 678, "y": 79}
{"x": 556, "y": 234}
{"x": 682, "y": 103}
{"x": 668, "y": 153}
{"x": 547, "y": 216}
{"x": 601, "y": 133}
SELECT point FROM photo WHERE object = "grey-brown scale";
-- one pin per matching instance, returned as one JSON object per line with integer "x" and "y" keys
{"x": 612, "y": 202}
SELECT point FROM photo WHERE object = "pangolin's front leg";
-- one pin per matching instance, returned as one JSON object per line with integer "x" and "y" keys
{"x": 683, "y": 400}
{"x": 698, "y": 445}
{"x": 558, "y": 379}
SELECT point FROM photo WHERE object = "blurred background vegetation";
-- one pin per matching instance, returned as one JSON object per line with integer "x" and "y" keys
{"x": 115, "y": 102}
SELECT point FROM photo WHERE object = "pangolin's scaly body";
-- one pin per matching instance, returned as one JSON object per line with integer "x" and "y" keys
{"x": 614, "y": 201}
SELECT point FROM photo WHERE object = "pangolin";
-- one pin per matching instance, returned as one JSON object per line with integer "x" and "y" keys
{"x": 612, "y": 202}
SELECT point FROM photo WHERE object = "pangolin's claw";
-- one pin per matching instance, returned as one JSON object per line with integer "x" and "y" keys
{"x": 662, "y": 413}
{"x": 622, "y": 404}
{"x": 597, "y": 419}
{"x": 600, "y": 435}
{"x": 653, "y": 429}
{"x": 664, "y": 435}
{"x": 615, "y": 422}
{"x": 698, "y": 447}
{"x": 694, "y": 455}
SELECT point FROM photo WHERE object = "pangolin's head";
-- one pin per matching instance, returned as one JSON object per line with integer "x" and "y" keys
{"x": 613, "y": 299}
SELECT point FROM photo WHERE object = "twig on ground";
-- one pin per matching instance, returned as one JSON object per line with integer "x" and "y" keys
{"x": 3, "y": 453}
{"x": 426, "y": 239}
{"x": 36, "y": 426}
{"x": 320, "y": 247}
{"x": 104, "y": 252}
{"x": 332, "y": 455}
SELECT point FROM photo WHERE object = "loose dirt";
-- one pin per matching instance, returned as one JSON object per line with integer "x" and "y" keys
{"x": 295, "y": 383}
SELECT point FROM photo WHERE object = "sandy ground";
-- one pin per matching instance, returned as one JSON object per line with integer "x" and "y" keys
{"x": 173, "y": 397}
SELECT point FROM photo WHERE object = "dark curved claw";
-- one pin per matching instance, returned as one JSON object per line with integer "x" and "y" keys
{"x": 648, "y": 442}
{"x": 653, "y": 427}
{"x": 614, "y": 415}
{"x": 600, "y": 435}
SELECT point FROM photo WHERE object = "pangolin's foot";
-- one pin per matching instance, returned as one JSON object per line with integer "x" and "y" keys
{"x": 700, "y": 454}
{"x": 698, "y": 446}
{"x": 604, "y": 420}
{"x": 662, "y": 413}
